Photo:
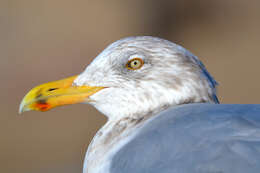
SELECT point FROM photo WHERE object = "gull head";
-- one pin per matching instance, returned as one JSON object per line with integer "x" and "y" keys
{"x": 146, "y": 74}
{"x": 133, "y": 76}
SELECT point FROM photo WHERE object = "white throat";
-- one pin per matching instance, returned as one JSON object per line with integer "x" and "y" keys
{"x": 107, "y": 141}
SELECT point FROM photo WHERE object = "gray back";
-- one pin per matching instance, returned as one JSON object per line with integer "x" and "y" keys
{"x": 195, "y": 138}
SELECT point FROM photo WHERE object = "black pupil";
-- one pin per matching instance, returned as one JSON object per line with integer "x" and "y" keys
{"x": 134, "y": 64}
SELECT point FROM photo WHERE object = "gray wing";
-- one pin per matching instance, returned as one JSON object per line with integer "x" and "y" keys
{"x": 195, "y": 138}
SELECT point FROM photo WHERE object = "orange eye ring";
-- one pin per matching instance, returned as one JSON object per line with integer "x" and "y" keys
{"x": 134, "y": 64}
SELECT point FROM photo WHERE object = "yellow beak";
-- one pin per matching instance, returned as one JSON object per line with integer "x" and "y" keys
{"x": 49, "y": 95}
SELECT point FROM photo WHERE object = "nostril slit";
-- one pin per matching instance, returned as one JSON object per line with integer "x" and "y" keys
{"x": 51, "y": 89}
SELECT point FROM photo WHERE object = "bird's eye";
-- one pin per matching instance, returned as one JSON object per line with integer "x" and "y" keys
{"x": 134, "y": 64}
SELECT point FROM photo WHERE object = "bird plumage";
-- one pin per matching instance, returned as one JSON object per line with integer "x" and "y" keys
{"x": 171, "y": 75}
{"x": 197, "y": 138}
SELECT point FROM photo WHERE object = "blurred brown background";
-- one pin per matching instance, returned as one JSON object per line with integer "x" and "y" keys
{"x": 45, "y": 40}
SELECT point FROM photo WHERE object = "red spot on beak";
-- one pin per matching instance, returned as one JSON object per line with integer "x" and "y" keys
{"x": 43, "y": 106}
